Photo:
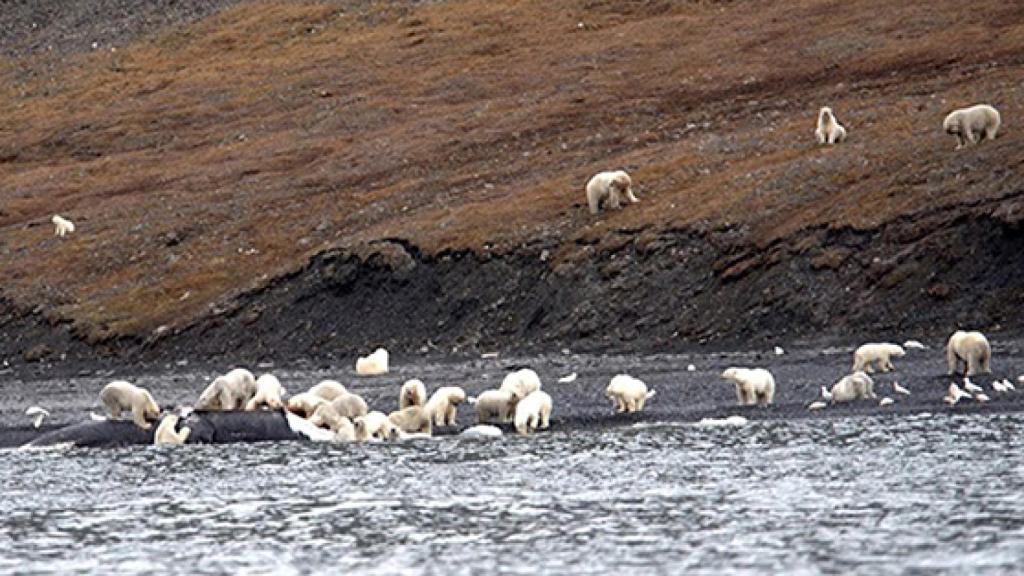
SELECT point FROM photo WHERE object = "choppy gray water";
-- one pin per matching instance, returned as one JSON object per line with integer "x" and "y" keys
{"x": 865, "y": 495}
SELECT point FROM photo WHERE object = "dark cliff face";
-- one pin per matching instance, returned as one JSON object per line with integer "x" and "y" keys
{"x": 311, "y": 179}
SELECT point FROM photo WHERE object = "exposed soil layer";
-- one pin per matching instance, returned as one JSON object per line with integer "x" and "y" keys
{"x": 271, "y": 180}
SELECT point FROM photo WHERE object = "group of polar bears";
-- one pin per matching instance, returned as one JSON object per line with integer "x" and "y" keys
{"x": 519, "y": 400}
{"x": 970, "y": 125}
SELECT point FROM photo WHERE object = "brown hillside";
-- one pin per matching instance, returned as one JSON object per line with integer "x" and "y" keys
{"x": 203, "y": 160}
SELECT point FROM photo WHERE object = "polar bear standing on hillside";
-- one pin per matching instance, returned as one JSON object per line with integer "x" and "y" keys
{"x": 616, "y": 187}
{"x": 231, "y": 391}
{"x": 753, "y": 386}
{"x": 829, "y": 130}
{"x": 627, "y": 394}
{"x": 867, "y": 354}
{"x": 120, "y": 396}
{"x": 972, "y": 349}
{"x": 971, "y": 125}
{"x": 62, "y": 226}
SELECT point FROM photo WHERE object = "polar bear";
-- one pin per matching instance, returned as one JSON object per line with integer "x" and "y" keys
{"x": 443, "y": 406}
{"x": 614, "y": 186}
{"x": 495, "y": 406}
{"x": 521, "y": 383}
{"x": 231, "y": 391}
{"x": 376, "y": 426}
{"x": 165, "y": 434}
{"x": 61, "y": 225}
{"x": 373, "y": 365}
{"x": 268, "y": 394}
{"x": 852, "y": 387}
{"x": 413, "y": 393}
{"x": 533, "y": 412}
{"x": 972, "y": 349}
{"x": 973, "y": 124}
{"x": 120, "y": 396}
{"x": 867, "y": 354}
{"x": 753, "y": 386}
{"x": 345, "y": 431}
{"x": 627, "y": 394}
{"x": 326, "y": 416}
{"x": 304, "y": 404}
{"x": 829, "y": 130}
{"x": 413, "y": 419}
{"x": 350, "y": 405}
{"x": 328, "y": 389}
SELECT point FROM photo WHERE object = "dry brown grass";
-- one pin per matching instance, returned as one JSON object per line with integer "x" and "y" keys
{"x": 203, "y": 161}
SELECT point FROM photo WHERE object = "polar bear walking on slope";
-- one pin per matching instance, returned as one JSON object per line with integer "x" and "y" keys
{"x": 62, "y": 226}
{"x": 120, "y": 396}
{"x": 972, "y": 349}
{"x": 973, "y": 124}
{"x": 829, "y": 130}
{"x": 753, "y": 386}
{"x": 616, "y": 187}
{"x": 868, "y": 354}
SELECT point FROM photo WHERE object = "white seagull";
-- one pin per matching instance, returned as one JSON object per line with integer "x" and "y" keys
{"x": 779, "y": 351}
{"x": 691, "y": 368}
{"x": 816, "y": 405}
{"x": 971, "y": 386}
{"x": 886, "y": 401}
{"x": 981, "y": 397}
{"x": 914, "y": 344}
{"x": 38, "y": 414}
{"x": 955, "y": 394}
{"x": 825, "y": 394}
{"x": 899, "y": 389}
{"x": 998, "y": 386}
{"x": 1008, "y": 385}
{"x": 567, "y": 379}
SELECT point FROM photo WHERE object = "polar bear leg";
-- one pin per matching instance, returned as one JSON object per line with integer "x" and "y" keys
{"x": 139, "y": 416}
{"x": 986, "y": 356}
{"x": 613, "y": 198}
{"x": 545, "y": 417}
{"x": 633, "y": 199}
{"x": 741, "y": 397}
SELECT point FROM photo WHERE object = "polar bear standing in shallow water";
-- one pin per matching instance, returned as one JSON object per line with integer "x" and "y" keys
{"x": 165, "y": 434}
{"x": 972, "y": 349}
{"x": 627, "y": 394}
{"x": 853, "y": 387}
{"x": 120, "y": 396}
{"x": 971, "y": 125}
{"x": 615, "y": 187}
{"x": 753, "y": 386}
{"x": 231, "y": 391}
{"x": 867, "y": 354}
{"x": 375, "y": 364}
{"x": 829, "y": 130}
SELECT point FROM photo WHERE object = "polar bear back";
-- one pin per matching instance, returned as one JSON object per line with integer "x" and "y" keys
{"x": 328, "y": 389}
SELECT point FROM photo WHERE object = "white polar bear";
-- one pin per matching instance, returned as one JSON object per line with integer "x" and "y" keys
{"x": 973, "y": 124}
{"x": 829, "y": 130}
{"x": 867, "y": 354}
{"x": 328, "y": 389}
{"x": 852, "y": 387}
{"x": 753, "y": 386}
{"x": 345, "y": 431}
{"x": 521, "y": 383}
{"x": 413, "y": 393}
{"x": 627, "y": 394}
{"x": 533, "y": 412}
{"x": 231, "y": 391}
{"x": 268, "y": 394}
{"x": 413, "y": 420}
{"x": 972, "y": 349}
{"x": 120, "y": 396}
{"x": 165, "y": 434}
{"x": 613, "y": 186}
{"x": 350, "y": 405}
{"x": 328, "y": 416}
{"x": 443, "y": 406}
{"x": 374, "y": 426}
{"x": 495, "y": 406}
{"x": 304, "y": 404}
{"x": 373, "y": 365}
{"x": 62, "y": 226}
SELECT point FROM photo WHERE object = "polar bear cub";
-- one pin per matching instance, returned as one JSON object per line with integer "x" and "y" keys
{"x": 373, "y": 365}
{"x": 972, "y": 349}
{"x": 120, "y": 396}
{"x": 268, "y": 394}
{"x": 413, "y": 393}
{"x": 852, "y": 387}
{"x": 829, "y": 130}
{"x": 613, "y": 186}
{"x": 521, "y": 383}
{"x": 973, "y": 124}
{"x": 412, "y": 420}
{"x": 868, "y": 354}
{"x": 231, "y": 391}
{"x": 443, "y": 406}
{"x": 753, "y": 386}
{"x": 627, "y": 394}
{"x": 328, "y": 389}
{"x": 495, "y": 406}
{"x": 165, "y": 434}
{"x": 376, "y": 426}
{"x": 533, "y": 412}
{"x": 61, "y": 225}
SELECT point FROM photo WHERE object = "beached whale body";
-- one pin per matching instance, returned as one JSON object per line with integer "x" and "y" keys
{"x": 207, "y": 427}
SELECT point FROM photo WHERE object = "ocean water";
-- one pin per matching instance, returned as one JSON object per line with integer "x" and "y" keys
{"x": 861, "y": 495}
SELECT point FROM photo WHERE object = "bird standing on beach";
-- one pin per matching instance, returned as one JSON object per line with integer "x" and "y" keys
{"x": 816, "y": 405}
{"x": 955, "y": 394}
{"x": 886, "y": 401}
{"x": 38, "y": 414}
{"x": 899, "y": 389}
{"x": 825, "y": 394}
